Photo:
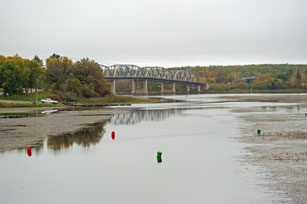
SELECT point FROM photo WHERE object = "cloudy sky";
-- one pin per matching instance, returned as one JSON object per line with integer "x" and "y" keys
{"x": 157, "y": 32}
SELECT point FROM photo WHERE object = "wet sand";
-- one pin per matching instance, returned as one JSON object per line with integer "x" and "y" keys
{"x": 16, "y": 133}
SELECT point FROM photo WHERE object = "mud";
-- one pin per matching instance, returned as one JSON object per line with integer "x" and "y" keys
{"x": 280, "y": 150}
{"x": 16, "y": 133}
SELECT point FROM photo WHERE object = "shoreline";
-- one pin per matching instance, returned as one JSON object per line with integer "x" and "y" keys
{"x": 18, "y": 133}
{"x": 10, "y": 104}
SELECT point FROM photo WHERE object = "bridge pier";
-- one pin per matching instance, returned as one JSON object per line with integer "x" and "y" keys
{"x": 188, "y": 89}
{"x": 174, "y": 87}
{"x": 134, "y": 90}
{"x": 162, "y": 87}
{"x": 145, "y": 91}
{"x": 113, "y": 89}
{"x": 133, "y": 87}
{"x": 198, "y": 88}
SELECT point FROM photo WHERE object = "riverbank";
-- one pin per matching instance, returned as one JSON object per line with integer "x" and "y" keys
{"x": 18, "y": 133}
{"x": 20, "y": 104}
{"x": 242, "y": 91}
{"x": 29, "y": 100}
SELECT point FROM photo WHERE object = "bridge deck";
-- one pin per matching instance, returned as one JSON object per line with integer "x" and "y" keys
{"x": 155, "y": 79}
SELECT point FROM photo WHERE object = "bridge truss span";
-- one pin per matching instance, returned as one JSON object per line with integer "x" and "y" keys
{"x": 154, "y": 73}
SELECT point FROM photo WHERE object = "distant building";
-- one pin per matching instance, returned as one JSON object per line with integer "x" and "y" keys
{"x": 248, "y": 79}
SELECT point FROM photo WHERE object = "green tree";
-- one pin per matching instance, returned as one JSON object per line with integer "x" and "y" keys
{"x": 11, "y": 76}
{"x": 75, "y": 86}
{"x": 2, "y": 61}
{"x": 57, "y": 56}
{"x": 298, "y": 79}
{"x": 35, "y": 72}
{"x": 39, "y": 60}
{"x": 90, "y": 75}
{"x": 59, "y": 70}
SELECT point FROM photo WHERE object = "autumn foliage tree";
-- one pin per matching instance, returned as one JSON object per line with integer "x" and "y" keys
{"x": 58, "y": 72}
{"x": 270, "y": 76}
{"x": 83, "y": 78}
{"x": 90, "y": 75}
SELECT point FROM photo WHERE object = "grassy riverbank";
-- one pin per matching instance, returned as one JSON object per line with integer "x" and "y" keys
{"x": 111, "y": 99}
{"x": 29, "y": 100}
{"x": 23, "y": 105}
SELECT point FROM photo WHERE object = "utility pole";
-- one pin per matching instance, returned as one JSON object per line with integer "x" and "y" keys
{"x": 36, "y": 90}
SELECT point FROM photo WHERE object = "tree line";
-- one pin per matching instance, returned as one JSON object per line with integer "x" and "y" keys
{"x": 71, "y": 81}
{"x": 269, "y": 76}
{"x": 68, "y": 80}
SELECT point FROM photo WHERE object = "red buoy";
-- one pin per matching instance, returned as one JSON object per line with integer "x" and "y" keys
{"x": 29, "y": 151}
{"x": 113, "y": 135}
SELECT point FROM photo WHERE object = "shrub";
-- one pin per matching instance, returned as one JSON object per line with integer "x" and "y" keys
{"x": 67, "y": 96}
{"x": 74, "y": 86}
{"x": 56, "y": 96}
{"x": 87, "y": 92}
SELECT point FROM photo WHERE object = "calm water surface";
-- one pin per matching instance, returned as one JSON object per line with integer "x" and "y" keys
{"x": 199, "y": 159}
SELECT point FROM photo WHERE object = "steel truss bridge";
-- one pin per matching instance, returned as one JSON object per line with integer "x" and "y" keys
{"x": 156, "y": 74}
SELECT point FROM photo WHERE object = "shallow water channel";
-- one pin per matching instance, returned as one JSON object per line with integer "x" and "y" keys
{"x": 200, "y": 160}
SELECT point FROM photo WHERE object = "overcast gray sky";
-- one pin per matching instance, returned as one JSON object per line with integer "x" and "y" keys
{"x": 157, "y": 32}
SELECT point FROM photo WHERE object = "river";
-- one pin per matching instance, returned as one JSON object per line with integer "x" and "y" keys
{"x": 200, "y": 161}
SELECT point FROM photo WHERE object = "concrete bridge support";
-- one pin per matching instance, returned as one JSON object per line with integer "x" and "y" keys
{"x": 198, "y": 88}
{"x": 133, "y": 87}
{"x": 162, "y": 87}
{"x": 113, "y": 88}
{"x": 145, "y": 90}
{"x": 174, "y": 88}
{"x": 188, "y": 89}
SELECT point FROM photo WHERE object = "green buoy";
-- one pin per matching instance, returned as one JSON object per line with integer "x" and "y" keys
{"x": 259, "y": 131}
{"x": 159, "y": 157}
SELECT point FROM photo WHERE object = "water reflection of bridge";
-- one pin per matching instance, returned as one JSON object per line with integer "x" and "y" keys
{"x": 134, "y": 117}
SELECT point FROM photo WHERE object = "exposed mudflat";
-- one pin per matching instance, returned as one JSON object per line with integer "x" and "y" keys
{"x": 281, "y": 149}
{"x": 20, "y": 132}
